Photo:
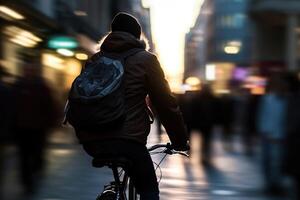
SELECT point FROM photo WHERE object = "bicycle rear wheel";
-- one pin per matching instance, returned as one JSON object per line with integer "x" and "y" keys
{"x": 132, "y": 194}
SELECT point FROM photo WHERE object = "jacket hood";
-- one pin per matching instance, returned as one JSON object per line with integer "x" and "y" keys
{"x": 121, "y": 41}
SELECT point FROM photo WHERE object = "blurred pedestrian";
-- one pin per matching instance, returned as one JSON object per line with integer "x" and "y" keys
{"x": 185, "y": 102}
{"x": 250, "y": 129}
{"x": 292, "y": 160}
{"x": 226, "y": 106}
{"x": 5, "y": 120}
{"x": 247, "y": 109}
{"x": 35, "y": 115}
{"x": 271, "y": 126}
{"x": 204, "y": 114}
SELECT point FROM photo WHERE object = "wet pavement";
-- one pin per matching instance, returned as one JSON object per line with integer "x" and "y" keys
{"x": 69, "y": 175}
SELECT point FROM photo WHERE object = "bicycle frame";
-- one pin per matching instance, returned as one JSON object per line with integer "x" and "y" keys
{"x": 122, "y": 185}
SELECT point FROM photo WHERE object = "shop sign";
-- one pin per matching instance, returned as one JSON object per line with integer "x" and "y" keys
{"x": 64, "y": 42}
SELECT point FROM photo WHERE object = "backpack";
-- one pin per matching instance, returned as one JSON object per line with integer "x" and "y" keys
{"x": 96, "y": 100}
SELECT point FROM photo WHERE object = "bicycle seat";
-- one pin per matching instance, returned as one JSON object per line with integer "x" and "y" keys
{"x": 111, "y": 162}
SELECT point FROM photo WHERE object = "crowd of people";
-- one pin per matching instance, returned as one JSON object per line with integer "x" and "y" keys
{"x": 270, "y": 121}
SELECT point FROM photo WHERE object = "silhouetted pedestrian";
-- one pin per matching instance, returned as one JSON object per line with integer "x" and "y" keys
{"x": 226, "y": 106}
{"x": 185, "y": 102}
{"x": 248, "y": 107}
{"x": 35, "y": 114}
{"x": 271, "y": 126}
{"x": 5, "y": 120}
{"x": 250, "y": 131}
{"x": 292, "y": 160}
{"x": 205, "y": 115}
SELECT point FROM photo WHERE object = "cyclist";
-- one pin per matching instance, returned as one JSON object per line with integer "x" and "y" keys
{"x": 143, "y": 76}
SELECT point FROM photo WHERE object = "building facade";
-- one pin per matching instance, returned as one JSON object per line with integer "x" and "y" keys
{"x": 278, "y": 37}
{"x": 221, "y": 41}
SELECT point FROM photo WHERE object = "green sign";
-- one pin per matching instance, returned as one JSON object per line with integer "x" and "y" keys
{"x": 64, "y": 42}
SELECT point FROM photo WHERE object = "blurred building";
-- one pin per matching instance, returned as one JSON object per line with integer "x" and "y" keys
{"x": 196, "y": 43}
{"x": 57, "y": 35}
{"x": 278, "y": 34}
{"x": 221, "y": 41}
{"x": 143, "y": 15}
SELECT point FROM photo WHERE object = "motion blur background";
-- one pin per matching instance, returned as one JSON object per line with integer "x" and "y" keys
{"x": 233, "y": 65}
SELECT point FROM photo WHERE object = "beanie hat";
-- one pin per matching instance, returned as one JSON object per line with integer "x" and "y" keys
{"x": 126, "y": 23}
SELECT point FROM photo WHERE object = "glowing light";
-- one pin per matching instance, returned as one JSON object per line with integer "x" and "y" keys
{"x": 193, "y": 81}
{"x": 258, "y": 91}
{"x": 233, "y": 47}
{"x": 62, "y": 152}
{"x": 146, "y": 3}
{"x": 235, "y": 43}
{"x": 231, "y": 50}
{"x": 65, "y": 52}
{"x": 223, "y": 91}
{"x": 21, "y": 37}
{"x": 62, "y": 42}
{"x": 224, "y": 192}
{"x": 170, "y": 21}
{"x": 255, "y": 81}
{"x": 11, "y": 13}
{"x": 80, "y": 13}
{"x": 72, "y": 67}
{"x": 210, "y": 72}
{"x": 81, "y": 56}
{"x": 52, "y": 61}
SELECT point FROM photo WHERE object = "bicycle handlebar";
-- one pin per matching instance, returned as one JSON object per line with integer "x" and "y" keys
{"x": 169, "y": 149}
{"x": 156, "y": 146}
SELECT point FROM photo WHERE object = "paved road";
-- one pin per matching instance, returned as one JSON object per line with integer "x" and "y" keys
{"x": 69, "y": 175}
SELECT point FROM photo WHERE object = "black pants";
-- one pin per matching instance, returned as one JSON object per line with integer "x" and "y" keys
{"x": 141, "y": 172}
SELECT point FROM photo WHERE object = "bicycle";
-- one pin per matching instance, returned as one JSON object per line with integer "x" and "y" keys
{"x": 122, "y": 187}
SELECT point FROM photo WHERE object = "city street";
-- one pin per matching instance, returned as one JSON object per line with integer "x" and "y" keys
{"x": 233, "y": 67}
{"x": 69, "y": 175}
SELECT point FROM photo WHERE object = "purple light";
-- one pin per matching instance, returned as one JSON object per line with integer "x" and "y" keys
{"x": 240, "y": 74}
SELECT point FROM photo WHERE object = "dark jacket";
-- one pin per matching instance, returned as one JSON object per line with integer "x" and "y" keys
{"x": 143, "y": 75}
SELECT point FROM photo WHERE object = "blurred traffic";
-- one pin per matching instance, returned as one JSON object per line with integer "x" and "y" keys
{"x": 235, "y": 72}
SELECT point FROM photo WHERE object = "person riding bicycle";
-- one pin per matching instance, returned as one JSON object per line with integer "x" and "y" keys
{"x": 143, "y": 76}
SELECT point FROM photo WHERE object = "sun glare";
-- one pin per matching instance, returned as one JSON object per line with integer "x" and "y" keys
{"x": 170, "y": 21}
